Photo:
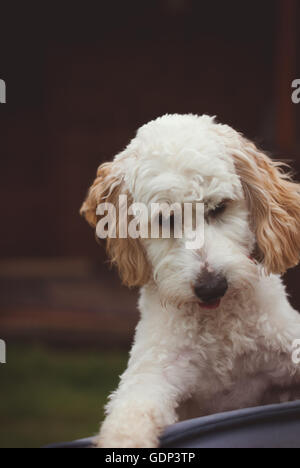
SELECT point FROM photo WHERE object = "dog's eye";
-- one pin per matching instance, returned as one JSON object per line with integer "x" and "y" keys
{"x": 218, "y": 210}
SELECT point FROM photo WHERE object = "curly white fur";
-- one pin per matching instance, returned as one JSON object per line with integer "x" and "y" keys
{"x": 186, "y": 360}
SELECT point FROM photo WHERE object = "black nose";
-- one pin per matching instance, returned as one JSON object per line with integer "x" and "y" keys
{"x": 210, "y": 287}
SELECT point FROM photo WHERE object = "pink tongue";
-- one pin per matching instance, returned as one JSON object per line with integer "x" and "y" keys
{"x": 212, "y": 306}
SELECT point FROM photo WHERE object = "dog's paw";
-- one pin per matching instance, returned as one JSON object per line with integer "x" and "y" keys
{"x": 137, "y": 427}
{"x": 125, "y": 443}
{"x": 118, "y": 440}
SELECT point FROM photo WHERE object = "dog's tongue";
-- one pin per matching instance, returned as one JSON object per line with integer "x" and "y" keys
{"x": 210, "y": 306}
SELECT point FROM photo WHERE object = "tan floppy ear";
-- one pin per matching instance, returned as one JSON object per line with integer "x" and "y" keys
{"x": 97, "y": 193}
{"x": 274, "y": 204}
{"x": 127, "y": 254}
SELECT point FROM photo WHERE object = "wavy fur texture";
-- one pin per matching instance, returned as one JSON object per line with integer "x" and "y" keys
{"x": 188, "y": 360}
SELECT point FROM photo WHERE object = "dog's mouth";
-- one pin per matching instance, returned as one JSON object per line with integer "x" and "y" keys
{"x": 211, "y": 305}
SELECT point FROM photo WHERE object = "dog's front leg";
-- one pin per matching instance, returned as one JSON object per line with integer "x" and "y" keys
{"x": 145, "y": 403}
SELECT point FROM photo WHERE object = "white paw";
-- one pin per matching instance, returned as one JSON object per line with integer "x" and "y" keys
{"x": 126, "y": 442}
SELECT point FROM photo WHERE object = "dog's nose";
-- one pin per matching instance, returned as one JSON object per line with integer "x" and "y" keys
{"x": 210, "y": 287}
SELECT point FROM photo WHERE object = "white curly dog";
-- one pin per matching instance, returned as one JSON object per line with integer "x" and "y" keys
{"x": 216, "y": 330}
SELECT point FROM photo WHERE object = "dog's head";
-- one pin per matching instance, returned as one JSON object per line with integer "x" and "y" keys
{"x": 251, "y": 208}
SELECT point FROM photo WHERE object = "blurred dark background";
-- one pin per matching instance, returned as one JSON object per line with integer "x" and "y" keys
{"x": 81, "y": 78}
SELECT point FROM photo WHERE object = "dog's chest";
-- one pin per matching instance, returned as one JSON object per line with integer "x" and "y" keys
{"x": 243, "y": 393}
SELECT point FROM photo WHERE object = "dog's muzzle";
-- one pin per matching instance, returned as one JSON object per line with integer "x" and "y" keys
{"x": 210, "y": 288}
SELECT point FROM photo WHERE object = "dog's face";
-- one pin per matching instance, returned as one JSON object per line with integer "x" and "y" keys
{"x": 249, "y": 205}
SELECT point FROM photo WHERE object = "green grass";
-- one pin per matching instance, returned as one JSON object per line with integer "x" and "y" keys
{"x": 48, "y": 396}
